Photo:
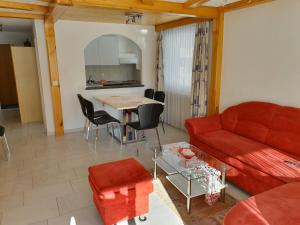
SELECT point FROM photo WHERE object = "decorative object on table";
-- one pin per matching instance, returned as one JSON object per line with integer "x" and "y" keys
{"x": 27, "y": 43}
{"x": 121, "y": 196}
{"x": 187, "y": 153}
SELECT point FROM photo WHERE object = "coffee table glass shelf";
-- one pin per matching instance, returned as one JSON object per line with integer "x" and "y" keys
{"x": 185, "y": 174}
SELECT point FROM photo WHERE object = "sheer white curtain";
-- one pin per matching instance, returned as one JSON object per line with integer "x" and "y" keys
{"x": 178, "y": 48}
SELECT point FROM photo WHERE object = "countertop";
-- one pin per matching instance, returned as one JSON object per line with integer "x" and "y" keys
{"x": 99, "y": 86}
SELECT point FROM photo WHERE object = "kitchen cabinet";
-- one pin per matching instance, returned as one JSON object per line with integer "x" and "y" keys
{"x": 109, "y": 50}
{"x": 92, "y": 54}
{"x": 103, "y": 51}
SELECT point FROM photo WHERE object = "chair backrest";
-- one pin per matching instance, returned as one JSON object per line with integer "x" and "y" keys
{"x": 149, "y": 93}
{"x": 2, "y": 130}
{"x": 159, "y": 96}
{"x": 149, "y": 115}
{"x": 81, "y": 101}
{"x": 89, "y": 106}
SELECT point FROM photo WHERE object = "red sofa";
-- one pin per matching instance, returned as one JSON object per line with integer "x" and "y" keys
{"x": 257, "y": 139}
{"x": 121, "y": 190}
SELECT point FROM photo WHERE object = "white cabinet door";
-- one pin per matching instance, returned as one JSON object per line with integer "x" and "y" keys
{"x": 92, "y": 54}
{"x": 109, "y": 50}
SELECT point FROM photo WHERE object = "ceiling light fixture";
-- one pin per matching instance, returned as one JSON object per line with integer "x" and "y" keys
{"x": 133, "y": 17}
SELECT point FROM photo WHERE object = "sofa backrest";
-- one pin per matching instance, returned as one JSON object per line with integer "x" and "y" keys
{"x": 285, "y": 130}
{"x": 268, "y": 123}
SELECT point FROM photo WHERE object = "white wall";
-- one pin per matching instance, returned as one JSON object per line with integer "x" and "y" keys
{"x": 71, "y": 39}
{"x": 15, "y": 38}
{"x": 261, "y": 58}
{"x": 43, "y": 72}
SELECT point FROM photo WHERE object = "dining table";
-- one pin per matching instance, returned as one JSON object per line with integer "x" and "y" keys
{"x": 124, "y": 104}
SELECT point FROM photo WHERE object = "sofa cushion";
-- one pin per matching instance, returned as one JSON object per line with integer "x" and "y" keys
{"x": 285, "y": 130}
{"x": 250, "y": 119}
{"x": 279, "y": 206}
{"x": 254, "y": 154}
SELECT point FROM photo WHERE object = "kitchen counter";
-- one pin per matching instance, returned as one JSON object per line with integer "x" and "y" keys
{"x": 108, "y": 86}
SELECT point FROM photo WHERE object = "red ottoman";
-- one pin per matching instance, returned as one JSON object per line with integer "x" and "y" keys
{"x": 278, "y": 206}
{"x": 121, "y": 190}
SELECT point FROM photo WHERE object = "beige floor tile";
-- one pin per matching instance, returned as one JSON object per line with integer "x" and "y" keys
{"x": 76, "y": 162}
{"x": 85, "y": 216}
{"x": 11, "y": 201}
{"x": 30, "y": 213}
{"x": 74, "y": 201}
{"x": 81, "y": 185}
{"x": 45, "y": 222}
{"x": 53, "y": 176}
{"x": 17, "y": 185}
{"x": 47, "y": 192}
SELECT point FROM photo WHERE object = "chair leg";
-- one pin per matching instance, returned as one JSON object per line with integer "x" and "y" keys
{"x": 158, "y": 138}
{"x": 88, "y": 131}
{"x": 112, "y": 130}
{"x": 97, "y": 133}
{"x": 86, "y": 124}
{"x": 163, "y": 125}
{"x": 121, "y": 131}
{"x": 5, "y": 147}
{"x": 136, "y": 139}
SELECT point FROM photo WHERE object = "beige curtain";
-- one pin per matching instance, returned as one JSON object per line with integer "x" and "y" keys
{"x": 159, "y": 85}
{"x": 201, "y": 70}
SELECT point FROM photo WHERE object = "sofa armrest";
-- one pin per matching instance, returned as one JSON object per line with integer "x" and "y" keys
{"x": 203, "y": 125}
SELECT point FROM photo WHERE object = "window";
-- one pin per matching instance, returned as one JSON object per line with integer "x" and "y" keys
{"x": 178, "y": 49}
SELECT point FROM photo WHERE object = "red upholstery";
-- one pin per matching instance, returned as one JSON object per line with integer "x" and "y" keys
{"x": 279, "y": 206}
{"x": 121, "y": 190}
{"x": 255, "y": 139}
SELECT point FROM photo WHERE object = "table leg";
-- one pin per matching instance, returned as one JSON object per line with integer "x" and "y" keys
{"x": 155, "y": 164}
{"x": 223, "y": 191}
{"x": 189, "y": 191}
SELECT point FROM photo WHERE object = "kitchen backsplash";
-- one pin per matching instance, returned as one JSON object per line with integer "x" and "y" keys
{"x": 113, "y": 73}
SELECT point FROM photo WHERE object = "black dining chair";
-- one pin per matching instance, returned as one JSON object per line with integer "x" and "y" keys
{"x": 160, "y": 97}
{"x": 149, "y": 115}
{"x": 84, "y": 112}
{"x": 104, "y": 119}
{"x": 149, "y": 93}
{"x": 4, "y": 143}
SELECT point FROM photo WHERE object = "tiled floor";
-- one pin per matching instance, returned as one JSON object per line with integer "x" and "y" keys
{"x": 46, "y": 177}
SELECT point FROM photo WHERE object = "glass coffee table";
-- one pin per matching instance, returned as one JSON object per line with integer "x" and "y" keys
{"x": 189, "y": 176}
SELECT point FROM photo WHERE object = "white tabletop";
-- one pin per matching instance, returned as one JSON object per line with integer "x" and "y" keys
{"x": 124, "y": 102}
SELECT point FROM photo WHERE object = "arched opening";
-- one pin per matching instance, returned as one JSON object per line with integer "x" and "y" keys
{"x": 112, "y": 61}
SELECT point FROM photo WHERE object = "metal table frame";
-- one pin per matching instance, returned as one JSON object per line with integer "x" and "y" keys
{"x": 188, "y": 192}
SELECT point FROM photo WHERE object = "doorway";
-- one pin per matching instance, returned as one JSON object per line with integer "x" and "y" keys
{"x": 20, "y": 98}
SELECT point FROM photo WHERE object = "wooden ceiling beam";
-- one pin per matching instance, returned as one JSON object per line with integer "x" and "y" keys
{"x": 148, "y": 2}
{"x": 178, "y": 23}
{"x": 137, "y": 5}
{"x": 192, "y": 3}
{"x": 21, "y": 15}
{"x": 243, "y": 4}
{"x": 23, "y": 6}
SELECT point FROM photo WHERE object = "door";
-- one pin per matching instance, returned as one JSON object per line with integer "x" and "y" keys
{"x": 24, "y": 62}
{"x": 8, "y": 91}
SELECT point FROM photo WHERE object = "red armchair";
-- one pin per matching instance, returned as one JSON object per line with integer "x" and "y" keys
{"x": 279, "y": 206}
{"x": 121, "y": 190}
